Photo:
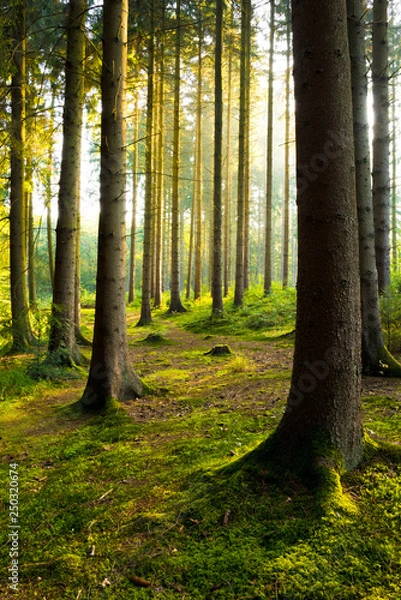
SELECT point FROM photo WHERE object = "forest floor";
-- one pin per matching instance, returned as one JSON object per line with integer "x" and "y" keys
{"x": 146, "y": 502}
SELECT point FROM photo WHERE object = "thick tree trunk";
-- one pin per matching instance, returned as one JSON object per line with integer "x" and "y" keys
{"x": 175, "y": 300}
{"x": 217, "y": 294}
{"x": 375, "y": 357}
{"x": 269, "y": 160}
{"x": 21, "y": 329}
{"x": 62, "y": 342}
{"x": 146, "y": 314}
{"x": 323, "y": 409}
{"x": 111, "y": 374}
{"x": 381, "y": 142}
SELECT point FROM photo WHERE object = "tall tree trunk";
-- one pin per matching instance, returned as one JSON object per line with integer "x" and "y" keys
{"x": 375, "y": 358}
{"x": 198, "y": 174}
{"x": 62, "y": 341}
{"x": 146, "y": 315}
{"x": 21, "y": 329}
{"x": 239, "y": 256}
{"x": 111, "y": 374}
{"x": 227, "y": 175}
{"x": 132, "y": 261}
{"x": 175, "y": 300}
{"x": 269, "y": 159}
{"x": 286, "y": 207}
{"x": 394, "y": 256}
{"x": 31, "y": 238}
{"x": 49, "y": 220}
{"x": 160, "y": 173}
{"x": 381, "y": 142}
{"x": 323, "y": 409}
{"x": 217, "y": 295}
{"x": 247, "y": 187}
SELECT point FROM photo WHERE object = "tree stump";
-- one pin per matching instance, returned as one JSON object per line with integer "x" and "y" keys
{"x": 219, "y": 350}
{"x": 155, "y": 338}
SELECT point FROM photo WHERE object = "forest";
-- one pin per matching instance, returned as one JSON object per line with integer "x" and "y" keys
{"x": 200, "y": 300}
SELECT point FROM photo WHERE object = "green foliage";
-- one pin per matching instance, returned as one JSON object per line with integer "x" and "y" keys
{"x": 260, "y": 315}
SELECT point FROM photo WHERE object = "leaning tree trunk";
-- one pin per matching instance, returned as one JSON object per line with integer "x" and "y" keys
{"x": 146, "y": 313}
{"x": 376, "y": 359}
{"x": 323, "y": 411}
{"x": 175, "y": 300}
{"x": 217, "y": 292}
{"x": 111, "y": 374}
{"x": 381, "y": 142}
{"x": 21, "y": 329}
{"x": 63, "y": 348}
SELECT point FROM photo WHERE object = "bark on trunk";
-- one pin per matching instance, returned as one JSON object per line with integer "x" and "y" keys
{"x": 287, "y": 141}
{"x": 63, "y": 348}
{"x": 111, "y": 374}
{"x": 324, "y": 402}
{"x": 198, "y": 176}
{"x": 239, "y": 255}
{"x": 175, "y": 300}
{"x": 269, "y": 160}
{"x": 160, "y": 173}
{"x": 146, "y": 314}
{"x": 375, "y": 358}
{"x": 21, "y": 329}
{"x": 381, "y": 142}
{"x": 217, "y": 294}
{"x": 132, "y": 262}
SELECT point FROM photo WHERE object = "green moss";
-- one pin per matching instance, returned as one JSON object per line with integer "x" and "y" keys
{"x": 181, "y": 489}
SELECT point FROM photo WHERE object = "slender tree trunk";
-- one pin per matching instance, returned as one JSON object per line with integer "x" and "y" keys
{"x": 375, "y": 357}
{"x": 286, "y": 207}
{"x": 62, "y": 342}
{"x": 269, "y": 159}
{"x": 239, "y": 261}
{"x": 217, "y": 295}
{"x": 175, "y": 300}
{"x": 31, "y": 240}
{"x": 132, "y": 262}
{"x": 227, "y": 176}
{"x": 381, "y": 142}
{"x": 323, "y": 409}
{"x": 198, "y": 174}
{"x": 394, "y": 258}
{"x": 160, "y": 174}
{"x": 49, "y": 220}
{"x": 111, "y": 374}
{"x": 21, "y": 329}
{"x": 247, "y": 187}
{"x": 146, "y": 315}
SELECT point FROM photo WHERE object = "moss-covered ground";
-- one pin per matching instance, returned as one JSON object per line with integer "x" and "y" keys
{"x": 140, "y": 503}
